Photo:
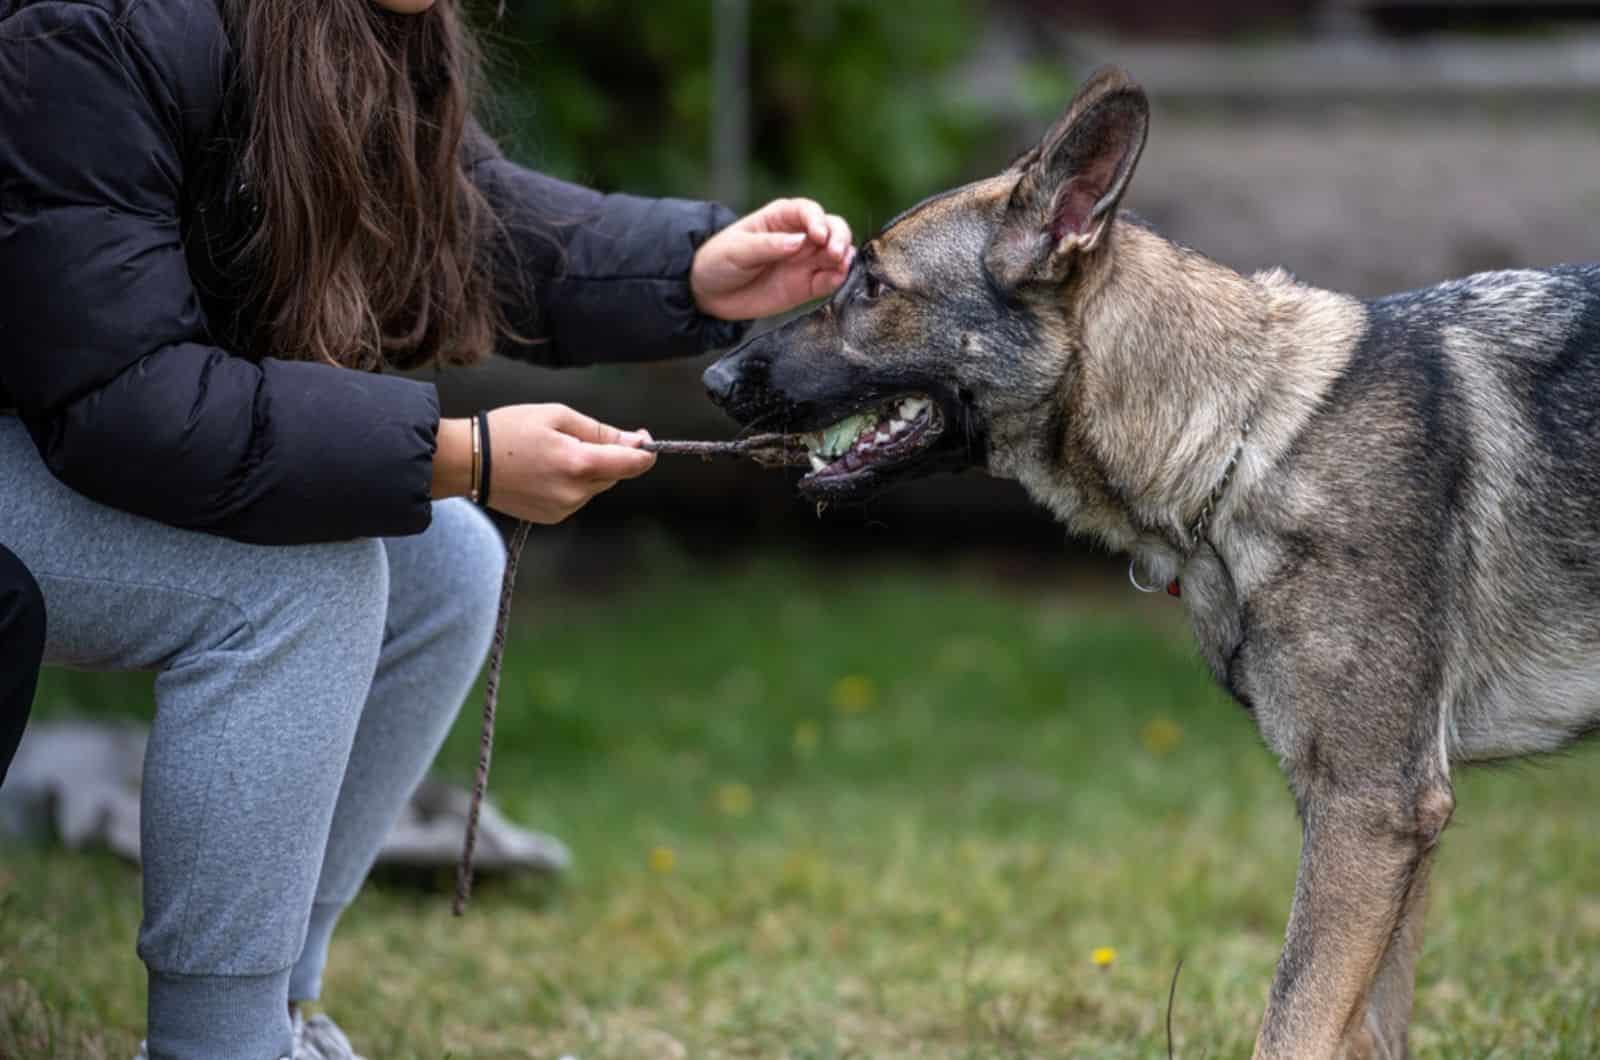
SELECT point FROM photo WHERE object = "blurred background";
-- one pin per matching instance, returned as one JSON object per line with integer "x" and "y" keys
{"x": 924, "y": 778}
{"x": 1368, "y": 146}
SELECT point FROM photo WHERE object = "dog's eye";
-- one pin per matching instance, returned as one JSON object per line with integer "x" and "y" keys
{"x": 872, "y": 287}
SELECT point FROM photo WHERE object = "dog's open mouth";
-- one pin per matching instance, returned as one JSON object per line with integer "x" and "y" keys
{"x": 872, "y": 441}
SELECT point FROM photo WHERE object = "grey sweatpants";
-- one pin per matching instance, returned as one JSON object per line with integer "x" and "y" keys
{"x": 301, "y": 694}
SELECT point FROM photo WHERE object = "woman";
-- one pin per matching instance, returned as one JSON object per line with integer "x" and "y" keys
{"x": 21, "y": 645}
{"x": 218, "y": 219}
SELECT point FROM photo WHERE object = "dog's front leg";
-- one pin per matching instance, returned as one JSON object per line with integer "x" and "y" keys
{"x": 1356, "y": 920}
{"x": 1382, "y": 1034}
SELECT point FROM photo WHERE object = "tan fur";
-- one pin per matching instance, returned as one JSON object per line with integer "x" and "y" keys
{"x": 1178, "y": 353}
{"x": 1381, "y": 1033}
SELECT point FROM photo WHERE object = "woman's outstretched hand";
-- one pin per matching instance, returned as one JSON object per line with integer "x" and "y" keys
{"x": 547, "y": 461}
{"x": 786, "y": 253}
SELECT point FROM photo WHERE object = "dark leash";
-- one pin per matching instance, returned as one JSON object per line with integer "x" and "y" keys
{"x": 768, "y": 450}
{"x": 491, "y": 697}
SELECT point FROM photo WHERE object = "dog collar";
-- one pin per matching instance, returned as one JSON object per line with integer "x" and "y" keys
{"x": 1202, "y": 522}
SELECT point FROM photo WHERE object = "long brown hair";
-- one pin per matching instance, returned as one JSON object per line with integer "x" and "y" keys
{"x": 369, "y": 249}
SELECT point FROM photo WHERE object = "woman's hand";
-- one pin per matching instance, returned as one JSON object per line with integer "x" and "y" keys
{"x": 786, "y": 253}
{"x": 547, "y": 461}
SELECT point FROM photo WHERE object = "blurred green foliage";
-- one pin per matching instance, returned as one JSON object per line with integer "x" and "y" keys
{"x": 853, "y": 102}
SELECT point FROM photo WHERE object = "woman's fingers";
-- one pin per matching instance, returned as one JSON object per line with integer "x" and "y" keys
{"x": 824, "y": 283}
{"x": 587, "y": 429}
{"x": 827, "y": 231}
{"x": 601, "y": 452}
{"x": 815, "y": 272}
{"x": 754, "y": 250}
{"x": 839, "y": 238}
{"x": 611, "y": 463}
{"x": 584, "y": 428}
{"x": 794, "y": 215}
{"x": 785, "y": 253}
{"x": 549, "y": 460}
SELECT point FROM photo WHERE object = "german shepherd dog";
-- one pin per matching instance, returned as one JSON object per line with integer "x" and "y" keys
{"x": 1385, "y": 515}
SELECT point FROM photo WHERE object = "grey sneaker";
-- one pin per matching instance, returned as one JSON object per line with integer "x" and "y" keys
{"x": 319, "y": 1038}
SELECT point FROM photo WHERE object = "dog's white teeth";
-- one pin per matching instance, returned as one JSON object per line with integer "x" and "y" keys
{"x": 881, "y": 437}
{"x": 908, "y": 408}
{"x": 817, "y": 463}
{"x": 896, "y": 426}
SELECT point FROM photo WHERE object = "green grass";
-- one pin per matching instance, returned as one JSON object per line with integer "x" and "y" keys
{"x": 902, "y": 810}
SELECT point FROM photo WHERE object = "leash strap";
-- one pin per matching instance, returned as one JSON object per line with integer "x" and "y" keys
{"x": 768, "y": 449}
{"x": 491, "y": 695}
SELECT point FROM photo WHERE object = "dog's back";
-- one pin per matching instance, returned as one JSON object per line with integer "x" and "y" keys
{"x": 1455, "y": 470}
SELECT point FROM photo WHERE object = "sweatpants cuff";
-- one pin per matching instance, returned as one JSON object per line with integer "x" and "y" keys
{"x": 220, "y": 1017}
{"x": 305, "y": 984}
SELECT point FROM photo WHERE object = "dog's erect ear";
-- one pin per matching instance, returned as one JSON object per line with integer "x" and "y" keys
{"x": 1069, "y": 186}
{"x": 1101, "y": 83}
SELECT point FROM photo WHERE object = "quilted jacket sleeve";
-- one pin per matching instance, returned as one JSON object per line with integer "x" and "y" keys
{"x": 587, "y": 278}
{"x": 103, "y": 348}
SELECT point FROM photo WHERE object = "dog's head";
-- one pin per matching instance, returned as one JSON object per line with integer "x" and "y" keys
{"x": 956, "y": 326}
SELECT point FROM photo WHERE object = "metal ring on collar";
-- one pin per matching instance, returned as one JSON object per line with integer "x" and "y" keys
{"x": 1133, "y": 577}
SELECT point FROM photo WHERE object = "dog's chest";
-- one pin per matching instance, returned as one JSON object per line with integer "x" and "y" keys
{"x": 1244, "y": 655}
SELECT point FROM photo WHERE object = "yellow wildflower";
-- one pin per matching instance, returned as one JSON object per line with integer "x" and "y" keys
{"x": 662, "y": 860}
{"x": 1103, "y": 956}
{"x": 735, "y": 799}
{"x": 1160, "y": 736}
{"x": 853, "y": 694}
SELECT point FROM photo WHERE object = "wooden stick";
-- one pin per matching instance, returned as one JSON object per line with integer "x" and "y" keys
{"x": 773, "y": 450}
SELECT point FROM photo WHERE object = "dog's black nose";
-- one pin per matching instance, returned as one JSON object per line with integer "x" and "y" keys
{"x": 721, "y": 379}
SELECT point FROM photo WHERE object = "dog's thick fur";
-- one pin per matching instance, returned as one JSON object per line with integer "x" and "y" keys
{"x": 1403, "y": 573}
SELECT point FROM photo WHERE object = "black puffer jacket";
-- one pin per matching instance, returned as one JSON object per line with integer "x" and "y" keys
{"x": 117, "y": 312}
